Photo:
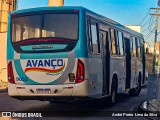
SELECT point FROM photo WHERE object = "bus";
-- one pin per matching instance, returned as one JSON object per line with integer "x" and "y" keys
{"x": 66, "y": 53}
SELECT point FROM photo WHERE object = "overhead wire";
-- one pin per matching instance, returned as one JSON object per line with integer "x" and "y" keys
{"x": 151, "y": 32}
{"x": 149, "y": 27}
{"x": 150, "y": 24}
{"x": 146, "y": 22}
{"x": 145, "y": 17}
{"x": 150, "y": 20}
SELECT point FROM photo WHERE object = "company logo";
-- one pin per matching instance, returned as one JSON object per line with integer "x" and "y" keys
{"x": 41, "y": 47}
{"x": 6, "y": 114}
{"x": 57, "y": 66}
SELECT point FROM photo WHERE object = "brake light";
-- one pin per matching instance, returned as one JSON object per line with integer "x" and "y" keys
{"x": 76, "y": 11}
{"x": 13, "y": 15}
{"x": 10, "y": 73}
{"x": 80, "y": 72}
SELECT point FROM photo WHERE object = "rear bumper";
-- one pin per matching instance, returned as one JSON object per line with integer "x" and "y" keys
{"x": 48, "y": 98}
{"x": 64, "y": 91}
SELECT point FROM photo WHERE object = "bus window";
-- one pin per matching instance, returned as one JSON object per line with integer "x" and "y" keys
{"x": 37, "y": 32}
{"x": 121, "y": 50}
{"x": 139, "y": 48}
{"x": 95, "y": 44}
{"x": 113, "y": 42}
{"x": 29, "y": 32}
{"x": 46, "y": 25}
{"x": 116, "y": 41}
{"x": 46, "y": 29}
{"x": 134, "y": 47}
{"x": 89, "y": 36}
{"x": 18, "y": 34}
{"x": 131, "y": 44}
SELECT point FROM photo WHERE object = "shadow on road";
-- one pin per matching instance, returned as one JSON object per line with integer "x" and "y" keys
{"x": 85, "y": 105}
{"x": 91, "y": 107}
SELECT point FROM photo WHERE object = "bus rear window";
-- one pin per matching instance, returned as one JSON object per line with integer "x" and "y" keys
{"x": 44, "y": 26}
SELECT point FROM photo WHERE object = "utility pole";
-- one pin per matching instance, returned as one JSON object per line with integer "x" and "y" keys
{"x": 155, "y": 40}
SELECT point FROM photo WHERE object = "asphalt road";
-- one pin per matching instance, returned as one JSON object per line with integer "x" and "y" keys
{"x": 85, "y": 109}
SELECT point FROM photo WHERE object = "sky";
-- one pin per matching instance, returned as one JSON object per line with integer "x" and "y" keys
{"x": 126, "y": 12}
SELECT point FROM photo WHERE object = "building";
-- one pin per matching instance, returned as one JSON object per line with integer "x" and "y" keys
{"x": 6, "y": 6}
{"x": 136, "y": 28}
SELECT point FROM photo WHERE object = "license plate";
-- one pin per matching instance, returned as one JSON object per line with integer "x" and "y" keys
{"x": 43, "y": 91}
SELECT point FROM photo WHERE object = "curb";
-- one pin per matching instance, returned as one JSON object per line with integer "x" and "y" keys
{"x": 4, "y": 89}
{"x": 147, "y": 110}
{"x": 142, "y": 109}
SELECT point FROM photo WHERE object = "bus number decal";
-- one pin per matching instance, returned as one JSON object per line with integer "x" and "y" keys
{"x": 21, "y": 78}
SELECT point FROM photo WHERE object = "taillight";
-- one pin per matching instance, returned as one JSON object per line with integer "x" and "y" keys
{"x": 13, "y": 15}
{"x": 80, "y": 72}
{"x": 10, "y": 73}
{"x": 76, "y": 11}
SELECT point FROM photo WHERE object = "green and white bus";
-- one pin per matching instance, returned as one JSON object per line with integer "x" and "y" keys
{"x": 63, "y": 53}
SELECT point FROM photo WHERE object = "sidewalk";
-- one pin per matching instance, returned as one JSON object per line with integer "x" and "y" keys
{"x": 152, "y": 104}
{"x": 3, "y": 86}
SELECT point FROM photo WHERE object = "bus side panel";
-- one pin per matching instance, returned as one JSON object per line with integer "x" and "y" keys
{"x": 118, "y": 68}
{"x": 12, "y": 91}
{"x": 136, "y": 69}
{"x": 133, "y": 72}
{"x": 95, "y": 76}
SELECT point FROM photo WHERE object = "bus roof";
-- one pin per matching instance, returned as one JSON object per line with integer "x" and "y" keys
{"x": 101, "y": 17}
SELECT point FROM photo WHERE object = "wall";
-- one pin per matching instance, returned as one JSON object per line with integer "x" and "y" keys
{"x": 3, "y": 61}
{"x": 6, "y": 6}
{"x": 136, "y": 28}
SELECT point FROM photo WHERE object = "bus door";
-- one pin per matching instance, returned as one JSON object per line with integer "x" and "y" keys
{"x": 128, "y": 62}
{"x": 105, "y": 54}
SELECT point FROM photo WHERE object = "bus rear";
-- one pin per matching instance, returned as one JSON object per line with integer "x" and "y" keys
{"x": 44, "y": 60}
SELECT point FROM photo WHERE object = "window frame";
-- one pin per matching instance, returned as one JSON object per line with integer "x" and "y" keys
{"x": 91, "y": 21}
{"x": 137, "y": 47}
{"x": 90, "y": 47}
{"x": 134, "y": 47}
{"x": 111, "y": 51}
{"x": 119, "y": 42}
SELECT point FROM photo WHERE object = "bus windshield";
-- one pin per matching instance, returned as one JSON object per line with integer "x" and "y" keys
{"x": 44, "y": 26}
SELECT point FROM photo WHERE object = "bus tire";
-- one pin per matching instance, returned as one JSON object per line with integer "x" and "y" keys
{"x": 136, "y": 91}
{"x": 113, "y": 97}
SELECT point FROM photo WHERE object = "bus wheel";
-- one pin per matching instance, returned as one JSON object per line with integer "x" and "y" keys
{"x": 136, "y": 91}
{"x": 113, "y": 97}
